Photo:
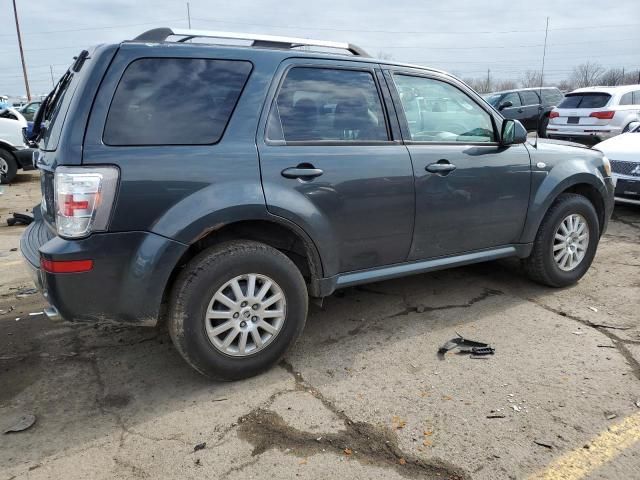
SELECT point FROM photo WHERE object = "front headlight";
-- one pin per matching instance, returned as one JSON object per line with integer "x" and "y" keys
{"x": 607, "y": 165}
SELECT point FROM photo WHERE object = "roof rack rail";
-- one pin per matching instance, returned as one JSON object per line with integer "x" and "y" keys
{"x": 275, "y": 41}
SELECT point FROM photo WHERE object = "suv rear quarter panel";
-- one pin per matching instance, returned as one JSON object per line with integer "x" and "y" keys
{"x": 183, "y": 191}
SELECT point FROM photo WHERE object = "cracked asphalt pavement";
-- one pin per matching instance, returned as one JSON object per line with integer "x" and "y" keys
{"x": 362, "y": 395}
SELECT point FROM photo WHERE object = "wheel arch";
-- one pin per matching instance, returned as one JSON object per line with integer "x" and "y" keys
{"x": 585, "y": 183}
{"x": 271, "y": 230}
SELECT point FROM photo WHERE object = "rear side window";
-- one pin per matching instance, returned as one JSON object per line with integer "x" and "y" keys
{"x": 627, "y": 99}
{"x": 585, "y": 100}
{"x": 636, "y": 97}
{"x": 529, "y": 97}
{"x": 175, "y": 101}
{"x": 551, "y": 97}
{"x": 323, "y": 104}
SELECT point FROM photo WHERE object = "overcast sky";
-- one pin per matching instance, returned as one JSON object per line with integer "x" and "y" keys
{"x": 465, "y": 37}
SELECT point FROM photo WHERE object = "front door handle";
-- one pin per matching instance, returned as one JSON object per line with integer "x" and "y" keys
{"x": 442, "y": 168}
{"x": 302, "y": 172}
{"x": 520, "y": 110}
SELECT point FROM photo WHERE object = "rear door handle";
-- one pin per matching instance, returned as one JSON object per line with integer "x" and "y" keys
{"x": 301, "y": 172}
{"x": 443, "y": 168}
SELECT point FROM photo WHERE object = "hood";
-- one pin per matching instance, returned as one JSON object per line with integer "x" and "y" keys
{"x": 621, "y": 147}
{"x": 553, "y": 141}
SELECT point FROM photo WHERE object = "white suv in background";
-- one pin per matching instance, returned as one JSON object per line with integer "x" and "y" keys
{"x": 14, "y": 153}
{"x": 593, "y": 114}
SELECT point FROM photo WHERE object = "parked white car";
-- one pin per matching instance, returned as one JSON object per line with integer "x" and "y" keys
{"x": 14, "y": 153}
{"x": 593, "y": 114}
{"x": 623, "y": 152}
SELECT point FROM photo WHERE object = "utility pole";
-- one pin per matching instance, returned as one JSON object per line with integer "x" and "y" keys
{"x": 53, "y": 84}
{"x": 24, "y": 66}
{"x": 189, "y": 15}
{"x": 488, "y": 80}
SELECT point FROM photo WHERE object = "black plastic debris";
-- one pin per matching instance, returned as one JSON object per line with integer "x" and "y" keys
{"x": 200, "y": 446}
{"x": 465, "y": 345}
{"x": 19, "y": 219}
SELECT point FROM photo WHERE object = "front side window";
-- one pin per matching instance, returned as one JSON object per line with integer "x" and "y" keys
{"x": 323, "y": 104}
{"x": 439, "y": 112}
{"x": 529, "y": 97}
{"x": 513, "y": 98}
{"x": 175, "y": 101}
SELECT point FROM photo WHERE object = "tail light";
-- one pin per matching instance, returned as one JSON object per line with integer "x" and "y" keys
{"x": 84, "y": 198}
{"x": 554, "y": 115}
{"x": 607, "y": 115}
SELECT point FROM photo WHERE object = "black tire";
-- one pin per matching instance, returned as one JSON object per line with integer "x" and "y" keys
{"x": 200, "y": 280}
{"x": 627, "y": 128}
{"x": 540, "y": 266}
{"x": 544, "y": 123}
{"x": 9, "y": 160}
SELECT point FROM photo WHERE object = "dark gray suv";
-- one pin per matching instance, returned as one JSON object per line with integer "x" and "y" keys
{"x": 218, "y": 187}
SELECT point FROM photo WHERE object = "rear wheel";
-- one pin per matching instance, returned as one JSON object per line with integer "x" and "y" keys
{"x": 566, "y": 242}
{"x": 236, "y": 309}
{"x": 8, "y": 167}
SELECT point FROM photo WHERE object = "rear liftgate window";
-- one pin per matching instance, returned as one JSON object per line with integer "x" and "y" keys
{"x": 175, "y": 101}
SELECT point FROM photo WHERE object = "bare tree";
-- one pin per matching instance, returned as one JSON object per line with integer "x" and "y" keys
{"x": 631, "y": 77}
{"x": 612, "y": 77}
{"x": 586, "y": 74}
{"x": 565, "y": 86}
{"x": 531, "y": 78}
{"x": 384, "y": 55}
{"x": 507, "y": 84}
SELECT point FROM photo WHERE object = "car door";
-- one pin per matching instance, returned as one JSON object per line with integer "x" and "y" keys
{"x": 531, "y": 107}
{"x": 471, "y": 192}
{"x": 330, "y": 163}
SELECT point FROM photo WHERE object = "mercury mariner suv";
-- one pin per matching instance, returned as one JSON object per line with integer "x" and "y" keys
{"x": 218, "y": 187}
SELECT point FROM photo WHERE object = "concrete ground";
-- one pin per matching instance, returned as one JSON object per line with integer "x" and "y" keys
{"x": 363, "y": 395}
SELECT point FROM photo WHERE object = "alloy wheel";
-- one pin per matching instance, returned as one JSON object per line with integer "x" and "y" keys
{"x": 245, "y": 314}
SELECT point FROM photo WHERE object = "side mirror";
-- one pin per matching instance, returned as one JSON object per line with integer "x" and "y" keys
{"x": 504, "y": 105}
{"x": 513, "y": 133}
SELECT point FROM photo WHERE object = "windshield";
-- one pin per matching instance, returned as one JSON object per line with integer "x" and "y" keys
{"x": 585, "y": 100}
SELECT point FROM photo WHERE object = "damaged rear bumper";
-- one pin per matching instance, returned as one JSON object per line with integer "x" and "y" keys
{"x": 126, "y": 284}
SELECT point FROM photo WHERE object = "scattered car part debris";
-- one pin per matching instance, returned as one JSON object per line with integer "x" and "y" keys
{"x": 200, "y": 446}
{"x": 23, "y": 423}
{"x": 33, "y": 314}
{"x": 593, "y": 309}
{"x": 543, "y": 444}
{"x": 25, "y": 292}
{"x": 496, "y": 415}
{"x": 19, "y": 219}
{"x": 465, "y": 345}
{"x": 578, "y": 333}
{"x": 610, "y": 415}
{"x": 638, "y": 403}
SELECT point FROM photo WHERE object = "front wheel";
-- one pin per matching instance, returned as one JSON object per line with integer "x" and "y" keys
{"x": 566, "y": 242}
{"x": 236, "y": 309}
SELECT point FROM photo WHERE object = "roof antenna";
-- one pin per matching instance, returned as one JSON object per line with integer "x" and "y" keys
{"x": 544, "y": 53}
